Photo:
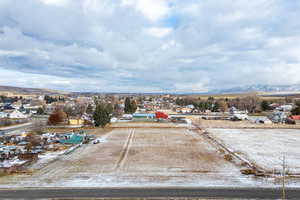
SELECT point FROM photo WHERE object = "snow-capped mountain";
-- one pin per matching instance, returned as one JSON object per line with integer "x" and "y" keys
{"x": 263, "y": 88}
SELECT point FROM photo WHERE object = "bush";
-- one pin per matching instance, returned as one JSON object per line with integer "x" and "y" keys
{"x": 228, "y": 157}
{"x": 248, "y": 171}
{"x": 58, "y": 117}
{"x": 221, "y": 151}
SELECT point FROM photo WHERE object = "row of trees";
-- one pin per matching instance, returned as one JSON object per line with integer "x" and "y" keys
{"x": 50, "y": 99}
{"x": 5, "y": 99}
{"x": 250, "y": 103}
{"x": 104, "y": 112}
{"x": 101, "y": 114}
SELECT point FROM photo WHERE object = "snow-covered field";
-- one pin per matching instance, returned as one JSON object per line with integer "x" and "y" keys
{"x": 265, "y": 147}
{"x": 136, "y": 157}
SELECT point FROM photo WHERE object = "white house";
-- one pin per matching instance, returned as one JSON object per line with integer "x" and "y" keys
{"x": 233, "y": 110}
{"x": 3, "y": 115}
{"x": 285, "y": 108}
{"x": 238, "y": 116}
{"x": 17, "y": 115}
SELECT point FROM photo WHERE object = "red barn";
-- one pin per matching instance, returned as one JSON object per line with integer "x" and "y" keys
{"x": 161, "y": 115}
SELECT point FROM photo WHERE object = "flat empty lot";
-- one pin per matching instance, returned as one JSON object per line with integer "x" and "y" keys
{"x": 247, "y": 124}
{"x": 137, "y": 157}
{"x": 265, "y": 147}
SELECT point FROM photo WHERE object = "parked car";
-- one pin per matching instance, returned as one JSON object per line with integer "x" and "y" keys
{"x": 96, "y": 141}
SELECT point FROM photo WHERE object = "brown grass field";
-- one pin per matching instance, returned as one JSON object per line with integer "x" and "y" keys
{"x": 133, "y": 157}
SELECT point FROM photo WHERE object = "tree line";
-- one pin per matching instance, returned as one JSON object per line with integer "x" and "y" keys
{"x": 251, "y": 103}
{"x": 101, "y": 115}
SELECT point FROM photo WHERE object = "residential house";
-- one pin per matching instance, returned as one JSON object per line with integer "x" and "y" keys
{"x": 17, "y": 115}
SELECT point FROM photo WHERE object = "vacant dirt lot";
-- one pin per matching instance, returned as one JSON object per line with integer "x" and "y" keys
{"x": 138, "y": 157}
{"x": 146, "y": 125}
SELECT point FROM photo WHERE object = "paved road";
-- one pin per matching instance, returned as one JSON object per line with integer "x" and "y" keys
{"x": 228, "y": 193}
{"x": 17, "y": 129}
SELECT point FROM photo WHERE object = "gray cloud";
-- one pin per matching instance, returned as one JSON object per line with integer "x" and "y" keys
{"x": 149, "y": 45}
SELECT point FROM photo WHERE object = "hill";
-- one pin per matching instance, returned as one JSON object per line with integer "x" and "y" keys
{"x": 22, "y": 90}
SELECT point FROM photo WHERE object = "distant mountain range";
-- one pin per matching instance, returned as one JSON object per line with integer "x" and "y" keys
{"x": 22, "y": 90}
{"x": 268, "y": 89}
{"x": 287, "y": 89}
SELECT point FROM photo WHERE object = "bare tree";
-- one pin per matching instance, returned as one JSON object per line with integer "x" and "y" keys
{"x": 222, "y": 105}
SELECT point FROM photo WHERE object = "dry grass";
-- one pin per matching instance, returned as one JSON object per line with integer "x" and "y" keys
{"x": 228, "y": 157}
{"x": 248, "y": 171}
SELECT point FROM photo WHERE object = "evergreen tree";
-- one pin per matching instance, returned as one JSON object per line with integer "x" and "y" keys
{"x": 40, "y": 111}
{"x": 102, "y": 115}
{"x": 130, "y": 106}
{"x": 127, "y": 108}
{"x": 265, "y": 105}
{"x": 215, "y": 107}
{"x": 109, "y": 108}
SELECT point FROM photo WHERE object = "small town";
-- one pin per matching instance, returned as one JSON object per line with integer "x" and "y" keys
{"x": 36, "y": 130}
{"x": 149, "y": 99}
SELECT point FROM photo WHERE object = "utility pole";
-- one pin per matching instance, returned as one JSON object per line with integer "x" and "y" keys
{"x": 283, "y": 177}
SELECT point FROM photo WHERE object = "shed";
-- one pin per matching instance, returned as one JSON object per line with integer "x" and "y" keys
{"x": 72, "y": 139}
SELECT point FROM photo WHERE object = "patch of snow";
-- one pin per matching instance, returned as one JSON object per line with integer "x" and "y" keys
{"x": 265, "y": 147}
{"x": 12, "y": 162}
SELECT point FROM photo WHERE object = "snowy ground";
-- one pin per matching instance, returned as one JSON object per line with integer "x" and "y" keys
{"x": 265, "y": 147}
{"x": 247, "y": 124}
{"x": 136, "y": 157}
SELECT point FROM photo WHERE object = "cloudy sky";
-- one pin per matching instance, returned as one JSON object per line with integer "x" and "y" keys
{"x": 149, "y": 45}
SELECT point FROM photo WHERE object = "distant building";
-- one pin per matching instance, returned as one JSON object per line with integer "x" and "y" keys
{"x": 233, "y": 110}
{"x": 17, "y": 115}
{"x": 72, "y": 138}
{"x": 3, "y": 115}
{"x": 285, "y": 108}
{"x": 278, "y": 117}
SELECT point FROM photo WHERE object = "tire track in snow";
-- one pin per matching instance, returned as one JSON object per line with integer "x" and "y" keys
{"x": 125, "y": 151}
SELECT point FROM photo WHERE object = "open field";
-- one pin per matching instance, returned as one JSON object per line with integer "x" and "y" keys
{"x": 227, "y": 124}
{"x": 132, "y": 124}
{"x": 137, "y": 157}
{"x": 262, "y": 95}
{"x": 264, "y": 147}
{"x": 160, "y": 154}
{"x": 223, "y": 96}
